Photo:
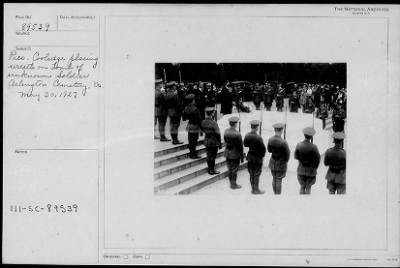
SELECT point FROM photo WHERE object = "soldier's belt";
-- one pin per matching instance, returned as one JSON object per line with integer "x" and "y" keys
{"x": 336, "y": 170}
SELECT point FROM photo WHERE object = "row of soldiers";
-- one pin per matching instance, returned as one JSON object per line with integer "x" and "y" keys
{"x": 306, "y": 153}
{"x": 171, "y": 101}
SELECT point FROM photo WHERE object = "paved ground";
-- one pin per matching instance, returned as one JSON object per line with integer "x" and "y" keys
{"x": 290, "y": 185}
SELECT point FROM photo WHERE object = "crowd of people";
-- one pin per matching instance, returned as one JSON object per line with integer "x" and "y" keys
{"x": 196, "y": 103}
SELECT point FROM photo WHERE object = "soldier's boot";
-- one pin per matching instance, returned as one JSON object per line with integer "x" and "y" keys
{"x": 163, "y": 138}
{"x": 214, "y": 171}
{"x": 210, "y": 167}
{"x": 252, "y": 184}
{"x": 234, "y": 185}
{"x": 193, "y": 155}
{"x": 256, "y": 187}
{"x": 273, "y": 185}
{"x": 308, "y": 190}
{"x": 278, "y": 188}
{"x": 302, "y": 189}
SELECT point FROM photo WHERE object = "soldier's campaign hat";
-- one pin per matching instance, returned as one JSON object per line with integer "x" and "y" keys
{"x": 233, "y": 119}
{"x": 158, "y": 81}
{"x": 209, "y": 109}
{"x": 309, "y": 131}
{"x": 278, "y": 125}
{"x": 254, "y": 123}
{"x": 190, "y": 97}
{"x": 170, "y": 84}
{"x": 338, "y": 136}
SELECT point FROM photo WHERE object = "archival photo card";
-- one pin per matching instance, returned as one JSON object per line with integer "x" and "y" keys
{"x": 199, "y": 134}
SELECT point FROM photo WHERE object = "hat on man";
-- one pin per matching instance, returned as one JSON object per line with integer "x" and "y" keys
{"x": 209, "y": 109}
{"x": 190, "y": 97}
{"x": 158, "y": 81}
{"x": 233, "y": 119}
{"x": 309, "y": 131}
{"x": 338, "y": 136}
{"x": 278, "y": 125}
{"x": 254, "y": 123}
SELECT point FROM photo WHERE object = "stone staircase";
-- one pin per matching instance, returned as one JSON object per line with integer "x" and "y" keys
{"x": 175, "y": 173}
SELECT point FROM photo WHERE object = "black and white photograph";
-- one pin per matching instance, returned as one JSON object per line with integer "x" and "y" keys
{"x": 250, "y": 128}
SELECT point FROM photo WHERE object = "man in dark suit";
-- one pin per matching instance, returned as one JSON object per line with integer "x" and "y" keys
{"x": 174, "y": 107}
{"x": 161, "y": 111}
{"x": 234, "y": 151}
{"x": 338, "y": 117}
{"x": 294, "y": 102}
{"x": 192, "y": 113}
{"x": 335, "y": 159}
{"x": 227, "y": 97}
{"x": 309, "y": 158}
{"x": 280, "y": 154}
{"x": 255, "y": 156}
{"x": 280, "y": 98}
{"x": 212, "y": 139}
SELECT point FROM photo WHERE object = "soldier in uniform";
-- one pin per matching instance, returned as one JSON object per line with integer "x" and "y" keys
{"x": 335, "y": 159}
{"x": 192, "y": 113}
{"x": 234, "y": 151}
{"x": 212, "y": 139}
{"x": 257, "y": 96}
{"x": 268, "y": 97}
{"x": 161, "y": 111}
{"x": 323, "y": 110}
{"x": 227, "y": 98}
{"x": 339, "y": 114}
{"x": 280, "y": 151}
{"x": 309, "y": 104}
{"x": 308, "y": 156}
{"x": 174, "y": 107}
{"x": 210, "y": 95}
{"x": 255, "y": 156}
{"x": 280, "y": 98}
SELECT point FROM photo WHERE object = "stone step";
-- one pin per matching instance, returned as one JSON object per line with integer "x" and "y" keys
{"x": 199, "y": 182}
{"x": 178, "y": 166}
{"x": 177, "y": 156}
{"x": 175, "y": 148}
{"x": 185, "y": 175}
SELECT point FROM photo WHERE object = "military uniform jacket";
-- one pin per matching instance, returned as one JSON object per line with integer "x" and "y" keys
{"x": 256, "y": 146}
{"x": 280, "y": 153}
{"x": 309, "y": 158}
{"x": 160, "y": 105}
{"x": 192, "y": 114}
{"x": 335, "y": 158}
{"x": 234, "y": 144}
{"x": 212, "y": 133}
{"x": 173, "y": 104}
{"x": 269, "y": 96}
